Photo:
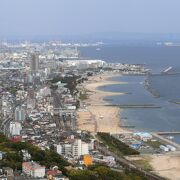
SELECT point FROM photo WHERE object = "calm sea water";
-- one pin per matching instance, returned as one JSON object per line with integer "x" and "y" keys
{"x": 157, "y": 58}
{"x": 167, "y": 86}
{"x": 166, "y": 118}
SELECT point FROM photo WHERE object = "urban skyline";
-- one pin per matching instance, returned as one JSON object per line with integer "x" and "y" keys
{"x": 89, "y": 90}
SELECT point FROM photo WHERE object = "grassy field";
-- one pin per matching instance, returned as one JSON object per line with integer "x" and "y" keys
{"x": 83, "y": 96}
{"x": 144, "y": 164}
{"x": 154, "y": 144}
{"x": 116, "y": 146}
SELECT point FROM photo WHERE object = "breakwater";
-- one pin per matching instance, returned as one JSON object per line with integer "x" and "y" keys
{"x": 135, "y": 105}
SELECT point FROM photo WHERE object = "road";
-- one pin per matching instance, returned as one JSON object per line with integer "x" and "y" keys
{"x": 5, "y": 125}
{"x": 166, "y": 141}
{"x": 127, "y": 164}
{"x": 61, "y": 121}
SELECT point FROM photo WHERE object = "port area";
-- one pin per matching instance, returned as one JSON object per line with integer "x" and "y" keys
{"x": 150, "y": 143}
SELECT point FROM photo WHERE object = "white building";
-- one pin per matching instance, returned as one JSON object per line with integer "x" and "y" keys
{"x": 79, "y": 148}
{"x": 76, "y": 149}
{"x": 33, "y": 169}
{"x": 15, "y": 128}
{"x": 2, "y": 155}
{"x": 92, "y": 144}
{"x": 44, "y": 92}
{"x": 20, "y": 114}
{"x": 59, "y": 149}
{"x": 26, "y": 155}
{"x": 83, "y": 64}
{"x": 64, "y": 149}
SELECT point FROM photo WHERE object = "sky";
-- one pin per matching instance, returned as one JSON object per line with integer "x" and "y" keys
{"x": 64, "y": 17}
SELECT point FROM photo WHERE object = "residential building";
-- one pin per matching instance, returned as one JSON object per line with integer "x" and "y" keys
{"x": 20, "y": 114}
{"x": 33, "y": 169}
{"x": 2, "y": 155}
{"x": 79, "y": 148}
{"x": 76, "y": 148}
{"x": 56, "y": 175}
{"x": 15, "y": 128}
{"x": 64, "y": 149}
{"x": 9, "y": 173}
{"x": 34, "y": 63}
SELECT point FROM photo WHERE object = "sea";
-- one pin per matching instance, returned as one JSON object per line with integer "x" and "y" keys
{"x": 157, "y": 58}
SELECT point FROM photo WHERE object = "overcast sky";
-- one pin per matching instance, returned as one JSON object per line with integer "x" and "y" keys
{"x": 56, "y": 17}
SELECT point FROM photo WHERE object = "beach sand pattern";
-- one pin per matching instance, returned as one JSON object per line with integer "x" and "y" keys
{"x": 97, "y": 116}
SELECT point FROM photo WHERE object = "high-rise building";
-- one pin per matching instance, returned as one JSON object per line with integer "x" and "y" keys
{"x": 76, "y": 149}
{"x": 64, "y": 149}
{"x": 15, "y": 128}
{"x": 20, "y": 114}
{"x": 34, "y": 63}
{"x": 79, "y": 148}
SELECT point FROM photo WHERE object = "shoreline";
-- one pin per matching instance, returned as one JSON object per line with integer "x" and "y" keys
{"x": 95, "y": 106}
{"x": 95, "y": 116}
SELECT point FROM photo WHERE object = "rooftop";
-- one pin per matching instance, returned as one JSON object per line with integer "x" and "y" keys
{"x": 32, "y": 165}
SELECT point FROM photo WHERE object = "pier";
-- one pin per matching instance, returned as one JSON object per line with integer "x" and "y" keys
{"x": 169, "y": 133}
{"x": 124, "y": 106}
{"x": 135, "y": 105}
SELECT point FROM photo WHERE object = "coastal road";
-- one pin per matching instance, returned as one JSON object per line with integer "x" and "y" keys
{"x": 128, "y": 165}
{"x": 165, "y": 140}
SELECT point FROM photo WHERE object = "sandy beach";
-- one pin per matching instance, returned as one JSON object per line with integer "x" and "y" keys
{"x": 96, "y": 116}
{"x": 167, "y": 165}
